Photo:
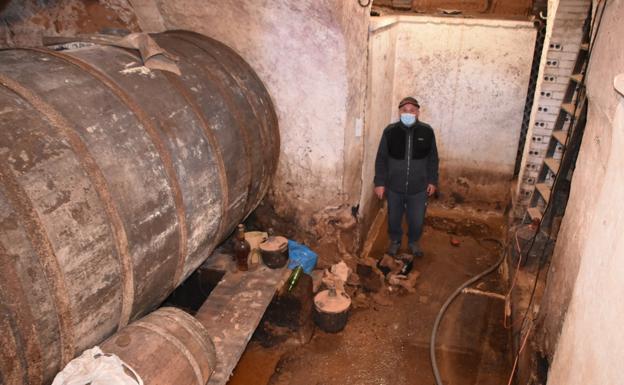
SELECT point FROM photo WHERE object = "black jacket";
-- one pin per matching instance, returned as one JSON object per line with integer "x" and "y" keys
{"x": 407, "y": 158}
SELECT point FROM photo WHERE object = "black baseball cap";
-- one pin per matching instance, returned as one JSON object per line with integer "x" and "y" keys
{"x": 409, "y": 100}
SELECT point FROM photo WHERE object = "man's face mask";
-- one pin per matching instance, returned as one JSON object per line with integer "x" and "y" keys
{"x": 408, "y": 119}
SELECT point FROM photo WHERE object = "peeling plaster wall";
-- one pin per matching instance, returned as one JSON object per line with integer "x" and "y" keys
{"x": 591, "y": 346}
{"x": 25, "y": 22}
{"x": 355, "y": 26}
{"x": 312, "y": 57}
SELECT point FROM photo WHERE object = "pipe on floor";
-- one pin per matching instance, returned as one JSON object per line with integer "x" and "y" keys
{"x": 449, "y": 300}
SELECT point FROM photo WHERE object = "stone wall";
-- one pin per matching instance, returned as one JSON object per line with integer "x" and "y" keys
{"x": 517, "y": 8}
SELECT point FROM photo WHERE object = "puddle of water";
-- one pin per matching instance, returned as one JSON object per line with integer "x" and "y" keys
{"x": 256, "y": 365}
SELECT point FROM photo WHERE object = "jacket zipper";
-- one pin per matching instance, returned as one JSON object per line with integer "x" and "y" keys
{"x": 409, "y": 156}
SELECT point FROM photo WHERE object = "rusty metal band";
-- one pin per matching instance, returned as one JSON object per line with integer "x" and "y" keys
{"x": 214, "y": 145}
{"x": 236, "y": 63}
{"x": 264, "y": 135}
{"x": 96, "y": 176}
{"x": 13, "y": 296}
{"x": 272, "y": 137}
{"x": 198, "y": 331}
{"x": 244, "y": 67}
{"x": 161, "y": 148}
{"x": 175, "y": 342}
{"x": 36, "y": 233}
{"x": 230, "y": 103}
{"x": 276, "y": 136}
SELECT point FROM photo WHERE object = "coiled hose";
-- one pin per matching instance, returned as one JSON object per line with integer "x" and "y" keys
{"x": 449, "y": 300}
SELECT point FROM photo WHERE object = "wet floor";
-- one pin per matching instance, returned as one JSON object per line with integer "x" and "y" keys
{"x": 389, "y": 344}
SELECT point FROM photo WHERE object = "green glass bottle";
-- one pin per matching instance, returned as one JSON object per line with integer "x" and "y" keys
{"x": 294, "y": 277}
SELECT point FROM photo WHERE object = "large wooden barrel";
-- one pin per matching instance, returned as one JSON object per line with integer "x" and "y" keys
{"x": 166, "y": 347}
{"x": 115, "y": 183}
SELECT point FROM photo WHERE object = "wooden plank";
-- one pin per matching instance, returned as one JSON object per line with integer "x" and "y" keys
{"x": 553, "y": 164}
{"x": 544, "y": 191}
{"x": 534, "y": 213}
{"x": 233, "y": 311}
{"x": 569, "y": 109}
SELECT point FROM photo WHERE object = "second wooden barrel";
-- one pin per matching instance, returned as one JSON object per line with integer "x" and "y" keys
{"x": 166, "y": 347}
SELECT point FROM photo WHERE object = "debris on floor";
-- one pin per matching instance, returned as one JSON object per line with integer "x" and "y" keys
{"x": 370, "y": 277}
{"x": 389, "y": 322}
{"x": 341, "y": 270}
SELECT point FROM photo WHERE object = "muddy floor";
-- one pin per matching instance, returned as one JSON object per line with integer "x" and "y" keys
{"x": 389, "y": 343}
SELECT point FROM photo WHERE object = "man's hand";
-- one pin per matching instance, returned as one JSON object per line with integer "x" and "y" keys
{"x": 379, "y": 191}
{"x": 431, "y": 189}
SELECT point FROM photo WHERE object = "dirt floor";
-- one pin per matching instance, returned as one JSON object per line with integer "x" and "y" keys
{"x": 389, "y": 344}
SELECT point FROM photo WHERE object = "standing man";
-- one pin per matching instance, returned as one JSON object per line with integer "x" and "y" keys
{"x": 406, "y": 171}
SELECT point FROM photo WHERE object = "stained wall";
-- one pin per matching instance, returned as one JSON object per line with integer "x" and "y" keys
{"x": 590, "y": 346}
{"x": 26, "y": 22}
{"x": 312, "y": 57}
{"x": 470, "y": 77}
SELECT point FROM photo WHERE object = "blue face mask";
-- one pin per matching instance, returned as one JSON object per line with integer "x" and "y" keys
{"x": 408, "y": 119}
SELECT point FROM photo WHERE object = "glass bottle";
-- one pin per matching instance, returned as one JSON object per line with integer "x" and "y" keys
{"x": 294, "y": 277}
{"x": 241, "y": 249}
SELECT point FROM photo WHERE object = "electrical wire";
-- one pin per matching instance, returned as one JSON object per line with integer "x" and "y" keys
{"x": 594, "y": 34}
{"x": 593, "y": 37}
{"x": 550, "y": 200}
{"x": 453, "y": 296}
{"x": 514, "y": 279}
{"x": 515, "y": 364}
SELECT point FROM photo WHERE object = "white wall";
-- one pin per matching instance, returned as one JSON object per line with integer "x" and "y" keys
{"x": 591, "y": 347}
{"x": 380, "y": 91}
{"x": 470, "y": 77}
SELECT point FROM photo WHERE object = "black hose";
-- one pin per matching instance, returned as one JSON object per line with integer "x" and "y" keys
{"x": 450, "y": 299}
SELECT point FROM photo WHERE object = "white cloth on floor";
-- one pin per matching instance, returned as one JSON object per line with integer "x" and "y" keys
{"x": 95, "y": 367}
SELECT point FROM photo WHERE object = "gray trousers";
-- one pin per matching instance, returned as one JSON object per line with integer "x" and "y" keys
{"x": 414, "y": 207}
